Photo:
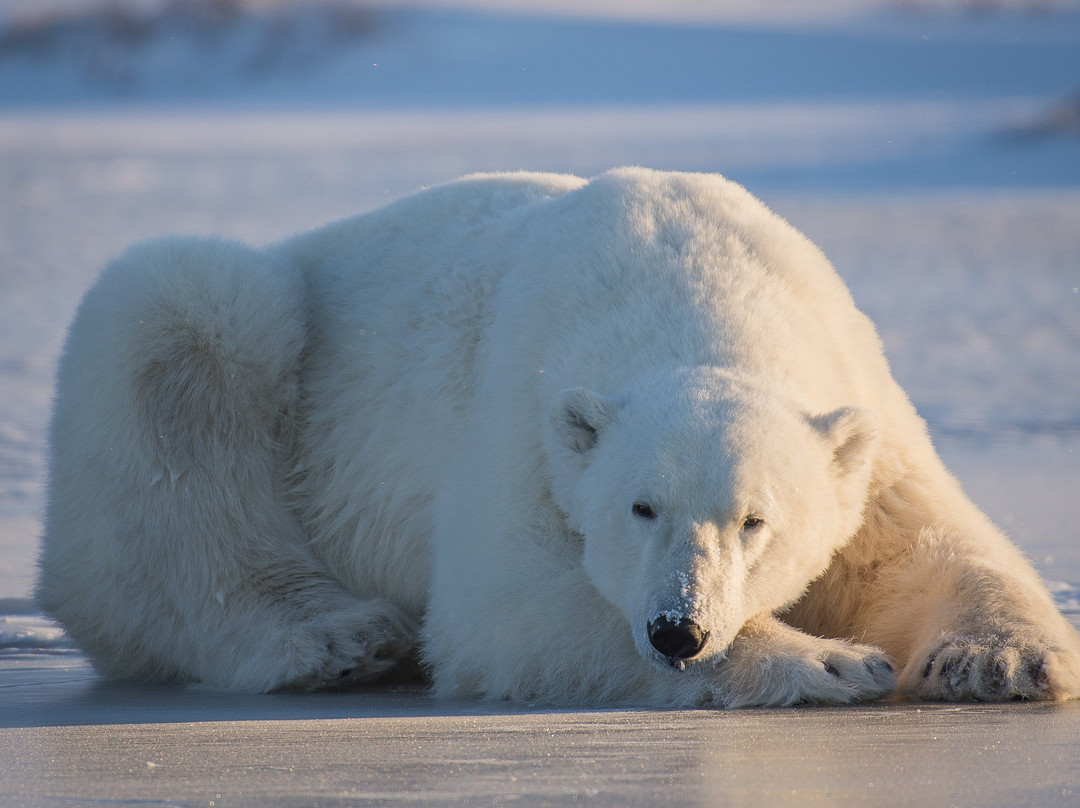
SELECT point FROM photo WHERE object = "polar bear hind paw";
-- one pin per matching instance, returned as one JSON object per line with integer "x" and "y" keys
{"x": 966, "y": 669}
{"x": 352, "y": 648}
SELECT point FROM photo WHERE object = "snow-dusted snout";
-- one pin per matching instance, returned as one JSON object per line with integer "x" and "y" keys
{"x": 697, "y": 612}
{"x": 673, "y": 640}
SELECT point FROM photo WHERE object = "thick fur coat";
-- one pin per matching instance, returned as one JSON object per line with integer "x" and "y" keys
{"x": 625, "y": 440}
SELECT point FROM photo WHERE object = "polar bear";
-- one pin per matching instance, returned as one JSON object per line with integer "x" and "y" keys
{"x": 532, "y": 437}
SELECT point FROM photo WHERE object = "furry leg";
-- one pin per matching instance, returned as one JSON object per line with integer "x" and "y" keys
{"x": 169, "y": 553}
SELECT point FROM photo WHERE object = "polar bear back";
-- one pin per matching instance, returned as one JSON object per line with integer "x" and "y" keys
{"x": 643, "y": 269}
{"x": 629, "y": 270}
{"x": 449, "y": 321}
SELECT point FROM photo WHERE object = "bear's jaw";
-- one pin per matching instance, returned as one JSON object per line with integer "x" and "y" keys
{"x": 700, "y": 663}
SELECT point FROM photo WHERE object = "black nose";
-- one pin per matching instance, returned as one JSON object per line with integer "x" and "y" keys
{"x": 681, "y": 639}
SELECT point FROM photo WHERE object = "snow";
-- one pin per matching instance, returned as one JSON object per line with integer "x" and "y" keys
{"x": 926, "y": 147}
{"x": 406, "y": 57}
{"x": 30, "y": 634}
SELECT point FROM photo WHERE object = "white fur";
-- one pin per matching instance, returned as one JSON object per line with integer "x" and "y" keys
{"x": 507, "y": 425}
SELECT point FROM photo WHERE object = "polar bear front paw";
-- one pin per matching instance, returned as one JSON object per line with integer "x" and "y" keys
{"x": 778, "y": 666}
{"x": 355, "y": 646}
{"x": 965, "y": 668}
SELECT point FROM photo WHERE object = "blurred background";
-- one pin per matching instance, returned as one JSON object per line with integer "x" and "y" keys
{"x": 931, "y": 147}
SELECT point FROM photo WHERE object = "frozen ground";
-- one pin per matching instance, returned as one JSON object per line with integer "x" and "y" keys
{"x": 145, "y": 747}
{"x": 930, "y": 152}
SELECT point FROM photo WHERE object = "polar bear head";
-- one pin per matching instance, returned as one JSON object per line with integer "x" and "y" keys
{"x": 703, "y": 501}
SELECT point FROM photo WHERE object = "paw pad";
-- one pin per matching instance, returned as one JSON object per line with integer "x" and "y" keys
{"x": 965, "y": 669}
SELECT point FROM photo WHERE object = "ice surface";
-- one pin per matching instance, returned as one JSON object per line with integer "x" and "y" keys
{"x": 73, "y": 741}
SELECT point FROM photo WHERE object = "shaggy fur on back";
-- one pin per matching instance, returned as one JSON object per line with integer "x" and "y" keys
{"x": 624, "y": 440}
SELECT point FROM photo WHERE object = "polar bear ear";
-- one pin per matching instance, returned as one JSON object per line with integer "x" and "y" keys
{"x": 577, "y": 418}
{"x": 852, "y": 433}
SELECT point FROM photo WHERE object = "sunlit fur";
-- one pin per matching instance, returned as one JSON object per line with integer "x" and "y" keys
{"x": 419, "y": 436}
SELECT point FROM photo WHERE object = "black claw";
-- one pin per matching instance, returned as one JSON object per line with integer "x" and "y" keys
{"x": 1037, "y": 671}
{"x": 929, "y": 666}
{"x": 875, "y": 667}
{"x": 1000, "y": 675}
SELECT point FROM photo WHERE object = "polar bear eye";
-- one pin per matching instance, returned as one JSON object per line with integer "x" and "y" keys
{"x": 643, "y": 510}
{"x": 753, "y": 523}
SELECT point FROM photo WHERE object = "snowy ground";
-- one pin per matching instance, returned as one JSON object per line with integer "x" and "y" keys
{"x": 930, "y": 150}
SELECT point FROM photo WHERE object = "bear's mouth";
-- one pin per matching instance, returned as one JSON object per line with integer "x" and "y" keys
{"x": 699, "y": 661}
{"x": 679, "y": 664}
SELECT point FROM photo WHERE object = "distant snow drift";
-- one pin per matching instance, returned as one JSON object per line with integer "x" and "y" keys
{"x": 625, "y": 440}
{"x": 185, "y": 47}
{"x": 404, "y": 55}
